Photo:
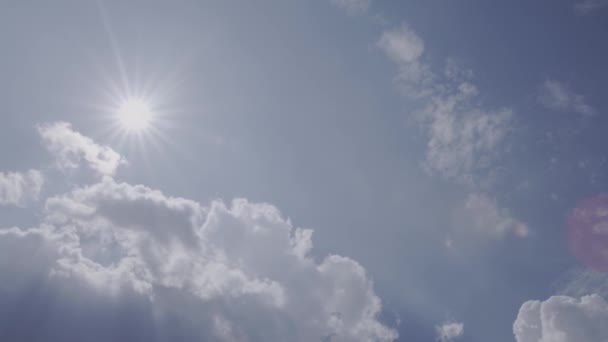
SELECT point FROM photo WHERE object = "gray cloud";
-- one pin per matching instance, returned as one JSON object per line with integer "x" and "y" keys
{"x": 563, "y": 319}
{"x": 20, "y": 188}
{"x": 71, "y": 148}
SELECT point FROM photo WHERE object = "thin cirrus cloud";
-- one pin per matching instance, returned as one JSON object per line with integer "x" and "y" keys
{"x": 352, "y": 7}
{"x": 178, "y": 269}
{"x": 20, "y": 188}
{"x": 449, "y": 331}
{"x": 71, "y": 148}
{"x": 563, "y": 319}
{"x": 558, "y": 96}
{"x": 588, "y": 6}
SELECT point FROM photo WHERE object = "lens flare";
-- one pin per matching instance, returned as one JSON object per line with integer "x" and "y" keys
{"x": 588, "y": 232}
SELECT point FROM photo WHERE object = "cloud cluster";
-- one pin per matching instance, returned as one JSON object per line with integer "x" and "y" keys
{"x": 464, "y": 138}
{"x": 177, "y": 269}
{"x": 557, "y": 96}
{"x": 18, "y": 188}
{"x": 71, "y": 148}
{"x": 449, "y": 331}
{"x": 563, "y": 319}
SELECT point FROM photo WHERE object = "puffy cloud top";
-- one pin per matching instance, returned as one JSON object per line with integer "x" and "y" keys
{"x": 71, "y": 148}
{"x": 563, "y": 319}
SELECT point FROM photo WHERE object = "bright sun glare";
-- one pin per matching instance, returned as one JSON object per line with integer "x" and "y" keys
{"x": 134, "y": 115}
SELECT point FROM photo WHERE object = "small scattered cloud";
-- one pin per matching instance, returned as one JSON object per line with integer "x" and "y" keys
{"x": 70, "y": 148}
{"x": 485, "y": 216}
{"x": 449, "y": 331}
{"x": 480, "y": 219}
{"x": 558, "y": 96}
{"x": 402, "y": 45}
{"x": 353, "y": 7}
{"x": 563, "y": 319}
{"x": 588, "y": 6}
{"x": 405, "y": 48}
{"x": 20, "y": 188}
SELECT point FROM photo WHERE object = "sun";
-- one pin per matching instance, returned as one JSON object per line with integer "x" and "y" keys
{"x": 134, "y": 115}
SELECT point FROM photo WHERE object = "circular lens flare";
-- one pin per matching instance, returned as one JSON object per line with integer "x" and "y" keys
{"x": 588, "y": 232}
{"x": 134, "y": 115}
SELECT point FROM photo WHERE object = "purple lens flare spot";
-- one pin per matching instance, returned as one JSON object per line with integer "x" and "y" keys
{"x": 588, "y": 232}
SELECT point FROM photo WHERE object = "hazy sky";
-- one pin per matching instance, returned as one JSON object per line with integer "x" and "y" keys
{"x": 326, "y": 170}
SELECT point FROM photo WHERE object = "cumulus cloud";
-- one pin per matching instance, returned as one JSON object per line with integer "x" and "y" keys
{"x": 557, "y": 96}
{"x": 223, "y": 272}
{"x": 353, "y": 7}
{"x": 20, "y": 188}
{"x": 449, "y": 331}
{"x": 563, "y": 319}
{"x": 464, "y": 137}
{"x": 71, "y": 148}
{"x": 587, "y": 6}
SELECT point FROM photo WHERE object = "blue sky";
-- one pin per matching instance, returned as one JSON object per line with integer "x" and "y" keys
{"x": 449, "y": 157}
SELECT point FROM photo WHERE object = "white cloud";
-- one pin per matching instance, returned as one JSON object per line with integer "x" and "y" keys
{"x": 353, "y": 7}
{"x": 20, "y": 188}
{"x": 587, "y": 6}
{"x": 449, "y": 331}
{"x": 563, "y": 319}
{"x": 557, "y": 96}
{"x": 238, "y": 272}
{"x": 71, "y": 148}
{"x": 464, "y": 138}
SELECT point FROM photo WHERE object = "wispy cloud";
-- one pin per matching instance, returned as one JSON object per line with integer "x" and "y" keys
{"x": 353, "y": 7}
{"x": 464, "y": 137}
{"x": 587, "y": 6}
{"x": 558, "y": 96}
